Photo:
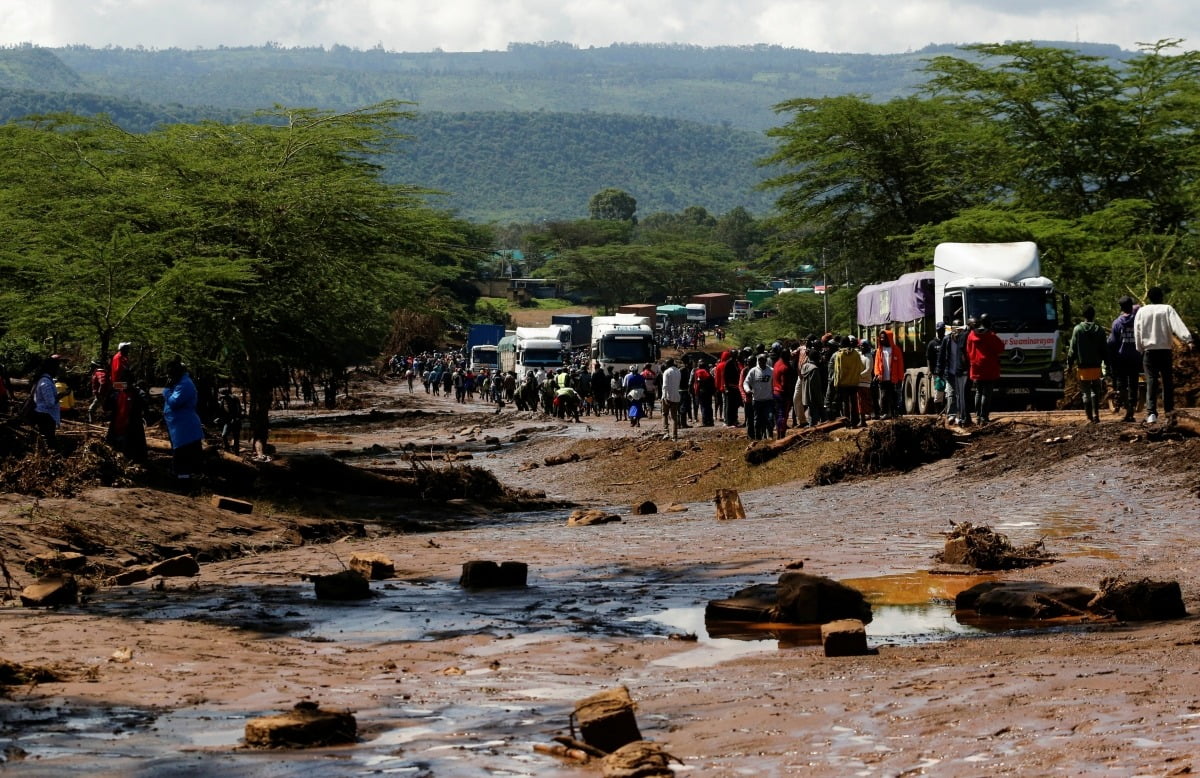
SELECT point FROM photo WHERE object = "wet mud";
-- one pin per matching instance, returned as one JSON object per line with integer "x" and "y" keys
{"x": 449, "y": 682}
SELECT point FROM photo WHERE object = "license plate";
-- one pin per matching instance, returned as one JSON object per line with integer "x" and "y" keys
{"x": 1018, "y": 390}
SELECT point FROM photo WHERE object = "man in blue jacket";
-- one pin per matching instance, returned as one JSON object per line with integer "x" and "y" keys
{"x": 183, "y": 422}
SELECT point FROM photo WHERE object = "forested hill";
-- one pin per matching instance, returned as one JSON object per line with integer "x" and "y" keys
{"x": 524, "y": 134}
{"x": 529, "y": 166}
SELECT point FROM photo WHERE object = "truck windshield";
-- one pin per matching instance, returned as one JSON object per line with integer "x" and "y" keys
{"x": 485, "y": 356}
{"x": 543, "y": 357}
{"x": 1015, "y": 309}
{"x": 627, "y": 349}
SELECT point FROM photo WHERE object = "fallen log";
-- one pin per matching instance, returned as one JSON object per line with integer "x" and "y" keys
{"x": 765, "y": 451}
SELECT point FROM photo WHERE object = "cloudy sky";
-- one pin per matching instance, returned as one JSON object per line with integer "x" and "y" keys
{"x": 870, "y": 26}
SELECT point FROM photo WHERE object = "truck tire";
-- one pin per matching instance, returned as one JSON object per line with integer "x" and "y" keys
{"x": 924, "y": 395}
{"x": 910, "y": 394}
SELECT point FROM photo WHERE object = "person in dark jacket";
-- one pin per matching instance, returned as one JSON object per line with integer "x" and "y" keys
{"x": 1124, "y": 361}
{"x": 958, "y": 366}
{"x": 1086, "y": 352}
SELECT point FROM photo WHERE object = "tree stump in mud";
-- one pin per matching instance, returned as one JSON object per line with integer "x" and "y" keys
{"x": 481, "y": 574}
{"x": 606, "y": 720}
{"x": 1143, "y": 600}
{"x": 373, "y": 566}
{"x": 561, "y": 459}
{"x": 306, "y": 725}
{"x": 346, "y": 585}
{"x": 844, "y": 637}
{"x": 729, "y": 505}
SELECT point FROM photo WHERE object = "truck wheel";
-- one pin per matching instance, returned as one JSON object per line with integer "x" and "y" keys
{"x": 924, "y": 398}
{"x": 910, "y": 394}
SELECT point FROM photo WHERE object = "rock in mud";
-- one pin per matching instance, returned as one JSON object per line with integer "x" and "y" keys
{"x": 1143, "y": 600}
{"x": 482, "y": 574}
{"x": 131, "y": 576}
{"x": 729, "y": 504}
{"x": 606, "y": 719}
{"x": 1025, "y": 599}
{"x": 56, "y": 589}
{"x": 346, "y": 585}
{"x": 644, "y": 508}
{"x": 561, "y": 459}
{"x": 304, "y": 726}
{"x": 798, "y": 598}
{"x": 56, "y": 561}
{"x": 585, "y": 517}
{"x": 183, "y": 566}
{"x": 231, "y": 504}
{"x": 640, "y": 759}
{"x": 373, "y": 566}
{"x": 844, "y": 637}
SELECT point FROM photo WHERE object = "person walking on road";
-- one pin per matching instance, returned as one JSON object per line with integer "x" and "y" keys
{"x": 1123, "y": 358}
{"x": 1153, "y": 328}
{"x": 1086, "y": 352}
{"x": 670, "y": 399}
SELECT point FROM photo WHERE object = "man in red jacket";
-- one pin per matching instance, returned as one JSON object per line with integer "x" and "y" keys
{"x": 984, "y": 348}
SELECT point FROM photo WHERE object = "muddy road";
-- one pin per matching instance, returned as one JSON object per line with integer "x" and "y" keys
{"x": 160, "y": 677}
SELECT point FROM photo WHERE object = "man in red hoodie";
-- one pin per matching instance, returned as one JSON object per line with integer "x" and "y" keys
{"x": 984, "y": 348}
{"x": 888, "y": 373}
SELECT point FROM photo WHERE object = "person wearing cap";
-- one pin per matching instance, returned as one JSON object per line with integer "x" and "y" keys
{"x": 121, "y": 372}
{"x": 183, "y": 422}
{"x": 47, "y": 413}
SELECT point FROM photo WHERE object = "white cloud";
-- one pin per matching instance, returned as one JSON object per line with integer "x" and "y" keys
{"x": 874, "y": 26}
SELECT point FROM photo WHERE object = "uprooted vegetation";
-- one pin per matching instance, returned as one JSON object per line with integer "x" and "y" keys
{"x": 892, "y": 446}
{"x": 983, "y": 548}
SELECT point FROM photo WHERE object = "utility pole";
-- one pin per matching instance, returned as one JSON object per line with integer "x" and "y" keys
{"x": 825, "y": 289}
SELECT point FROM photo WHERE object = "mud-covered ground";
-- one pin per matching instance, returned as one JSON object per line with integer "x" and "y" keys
{"x": 160, "y": 677}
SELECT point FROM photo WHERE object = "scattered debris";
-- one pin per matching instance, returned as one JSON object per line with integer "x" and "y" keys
{"x": 729, "y": 505}
{"x": 372, "y": 565}
{"x": 305, "y": 725}
{"x": 981, "y": 547}
{"x": 51, "y": 590}
{"x": 641, "y": 759}
{"x": 764, "y": 451}
{"x": 1141, "y": 600}
{"x": 844, "y": 637}
{"x": 17, "y": 674}
{"x": 231, "y": 504}
{"x": 896, "y": 445}
{"x": 606, "y": 719}
{"x": 489, "y": 575}
{"x": 346, "y": 585}
{"x": 585, "y": 517}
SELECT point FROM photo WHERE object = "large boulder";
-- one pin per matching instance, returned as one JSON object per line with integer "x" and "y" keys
{"x": 50, "y": 590}
{"x": 305, "y": 725}
{"x": 798, "y": 598}
{"x": 1143, "y": 600}
{"x": 1025, "y": 599}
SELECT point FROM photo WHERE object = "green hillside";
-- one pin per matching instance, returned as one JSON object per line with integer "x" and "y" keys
{"x": 530, "y": 166}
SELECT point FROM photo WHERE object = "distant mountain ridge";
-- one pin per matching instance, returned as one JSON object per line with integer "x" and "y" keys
{"x": 694, "y": 116}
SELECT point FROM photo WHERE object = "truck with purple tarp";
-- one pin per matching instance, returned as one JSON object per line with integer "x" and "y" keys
{"x": 969, "y": 279}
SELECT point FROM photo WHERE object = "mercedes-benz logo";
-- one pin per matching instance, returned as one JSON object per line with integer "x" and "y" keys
{"x": 1016, "y": 356}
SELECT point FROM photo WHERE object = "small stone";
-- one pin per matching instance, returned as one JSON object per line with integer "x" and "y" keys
{"x": 845, "y": 637}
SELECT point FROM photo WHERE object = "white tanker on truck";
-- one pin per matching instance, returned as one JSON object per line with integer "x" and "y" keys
{"x": 1002, "y": 280}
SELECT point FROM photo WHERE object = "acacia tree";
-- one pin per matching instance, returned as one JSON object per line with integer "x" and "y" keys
{"x": 613, "y": 204}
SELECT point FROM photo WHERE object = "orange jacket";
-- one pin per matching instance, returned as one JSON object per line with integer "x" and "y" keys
{"x": 896, "y": 373}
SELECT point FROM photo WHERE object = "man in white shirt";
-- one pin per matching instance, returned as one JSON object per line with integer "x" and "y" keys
{"x": 757, "y": 386}
{"x": 1153, "y": 328}
{"x": 670, "y": 399}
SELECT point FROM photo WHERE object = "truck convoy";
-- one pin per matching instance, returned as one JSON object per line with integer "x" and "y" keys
{"x": 718, "y": 307}
{"x": 482, "y": 340}
{"x": 621, "y": 341}
{"x": 581, "y": 327}
{"x": 969, "y": 279}
{"x": 533, "y": 349}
